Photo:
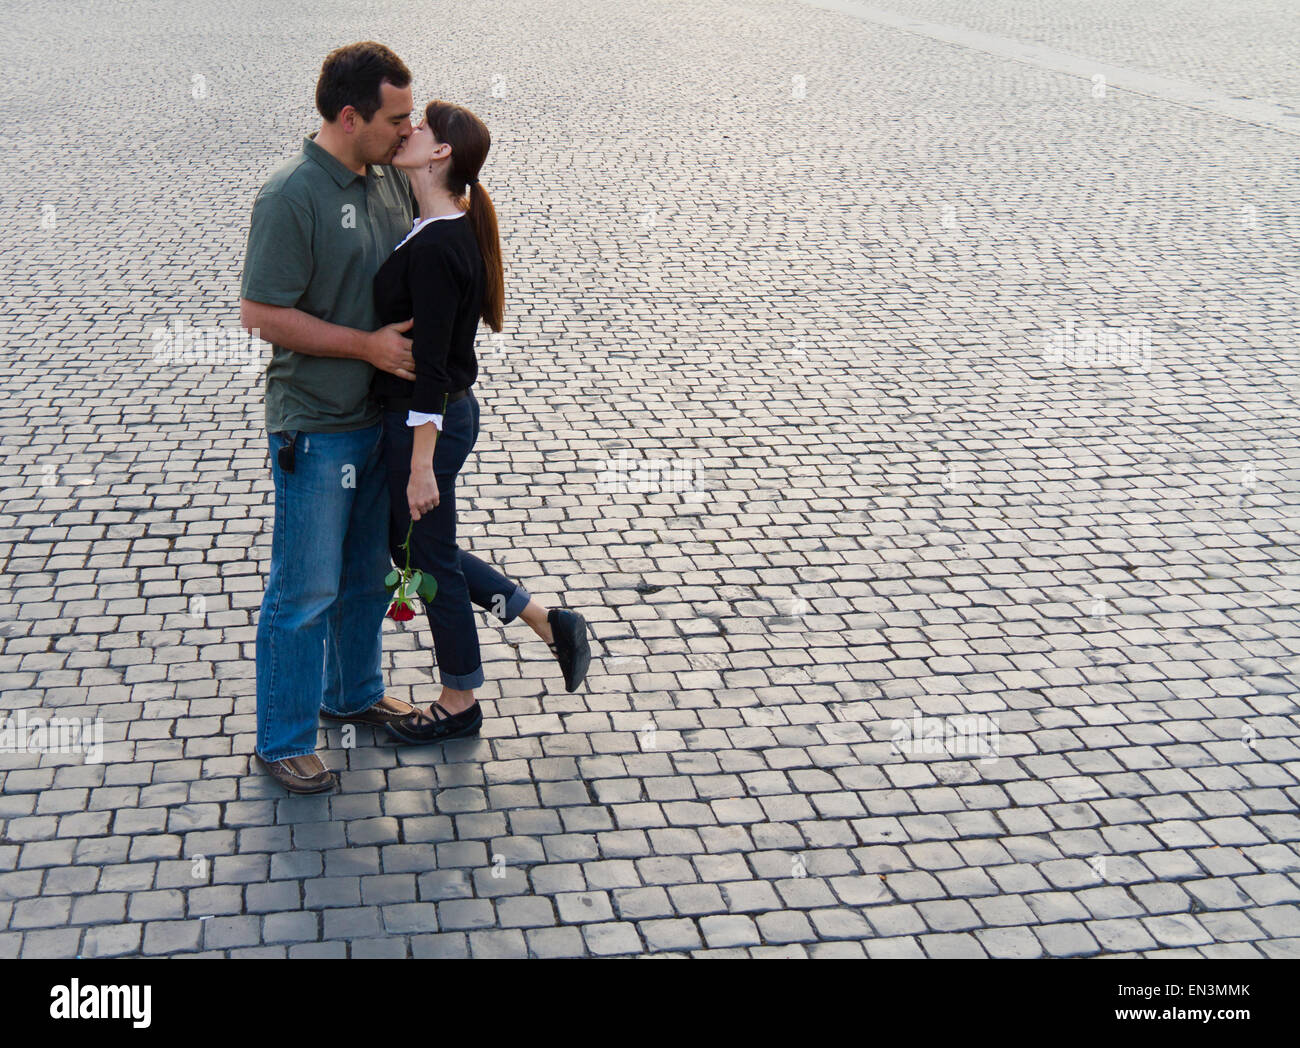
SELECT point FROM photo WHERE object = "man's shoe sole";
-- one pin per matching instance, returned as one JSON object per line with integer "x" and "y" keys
{"x": 366, "y": 719}
{"x": 373, "y": 716}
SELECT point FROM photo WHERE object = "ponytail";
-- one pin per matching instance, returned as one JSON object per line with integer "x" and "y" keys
{"x": 483, "y": 217}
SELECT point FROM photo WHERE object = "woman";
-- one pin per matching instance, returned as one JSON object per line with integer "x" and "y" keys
{"x": 446, "y": 275}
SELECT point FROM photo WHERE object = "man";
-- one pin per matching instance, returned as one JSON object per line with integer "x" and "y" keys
{"x": 321, "y": 226}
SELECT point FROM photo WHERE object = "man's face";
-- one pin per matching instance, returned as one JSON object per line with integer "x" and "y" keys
{"x": 379, "y": 138}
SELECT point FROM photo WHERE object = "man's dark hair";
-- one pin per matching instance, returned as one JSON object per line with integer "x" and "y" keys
{"x": 351, "y": 76}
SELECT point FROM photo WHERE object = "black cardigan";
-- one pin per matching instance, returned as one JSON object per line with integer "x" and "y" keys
{"x": 438, "y": 278}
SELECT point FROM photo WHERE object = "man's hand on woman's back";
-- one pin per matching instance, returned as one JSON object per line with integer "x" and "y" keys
{"x": 388, "y": 350}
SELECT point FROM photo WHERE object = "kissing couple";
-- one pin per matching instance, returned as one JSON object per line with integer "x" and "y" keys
{"x": 371, "y": 313}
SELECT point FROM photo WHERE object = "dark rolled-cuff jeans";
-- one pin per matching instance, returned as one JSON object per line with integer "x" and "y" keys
{"x": 463, "y": 579}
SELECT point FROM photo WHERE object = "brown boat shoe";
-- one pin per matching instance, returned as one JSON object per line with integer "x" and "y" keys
{"x": 304, "y": 774}
{"x": 386, "y": 711}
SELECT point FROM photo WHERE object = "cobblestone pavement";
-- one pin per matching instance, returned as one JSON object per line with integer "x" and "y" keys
{"x": 973, "y": 390}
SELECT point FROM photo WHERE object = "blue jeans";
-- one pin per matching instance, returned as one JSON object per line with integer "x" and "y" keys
{"x": 318, "y": 635}
{"x": 462, "y": 577}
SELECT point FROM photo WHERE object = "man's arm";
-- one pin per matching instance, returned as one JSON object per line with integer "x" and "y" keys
{"x": 277, "y": 270}
{"x": 385, "y": 349}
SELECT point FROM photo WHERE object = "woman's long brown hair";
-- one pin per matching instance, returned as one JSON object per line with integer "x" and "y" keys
{"x": 469, "y": 140}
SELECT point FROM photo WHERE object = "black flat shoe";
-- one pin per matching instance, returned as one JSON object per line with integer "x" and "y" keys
{"x": 418, "y": 727}
{"x": 569, "y": 645}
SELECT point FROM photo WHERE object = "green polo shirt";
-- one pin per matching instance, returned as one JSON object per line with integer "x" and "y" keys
{"x": 319, "y": 232}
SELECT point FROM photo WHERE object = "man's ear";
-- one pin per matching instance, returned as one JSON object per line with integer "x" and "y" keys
{"x": 348, "y": 117}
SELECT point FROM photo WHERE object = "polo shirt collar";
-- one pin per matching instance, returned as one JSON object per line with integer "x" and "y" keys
{"x": 333, "y": 166}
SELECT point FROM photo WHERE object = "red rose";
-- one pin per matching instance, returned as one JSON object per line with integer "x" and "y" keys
{"x": 401, "y": 612}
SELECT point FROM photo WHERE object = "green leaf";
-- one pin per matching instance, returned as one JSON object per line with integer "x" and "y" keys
{"x": 414, "y": 585}
{"x": 391, "y": 579}
{"x": 428, "y": 588}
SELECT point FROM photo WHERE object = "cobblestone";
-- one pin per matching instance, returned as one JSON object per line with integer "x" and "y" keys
{"x": 925, "y": 494}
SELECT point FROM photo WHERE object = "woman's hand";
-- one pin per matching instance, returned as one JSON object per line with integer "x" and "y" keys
{"x": 422, "y": 492}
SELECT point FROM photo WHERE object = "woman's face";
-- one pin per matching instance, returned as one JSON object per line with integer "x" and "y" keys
{"x": 420, "y": 148}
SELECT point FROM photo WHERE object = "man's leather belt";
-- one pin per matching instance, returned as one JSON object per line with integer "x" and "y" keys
{"x": 404, "y": 403}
